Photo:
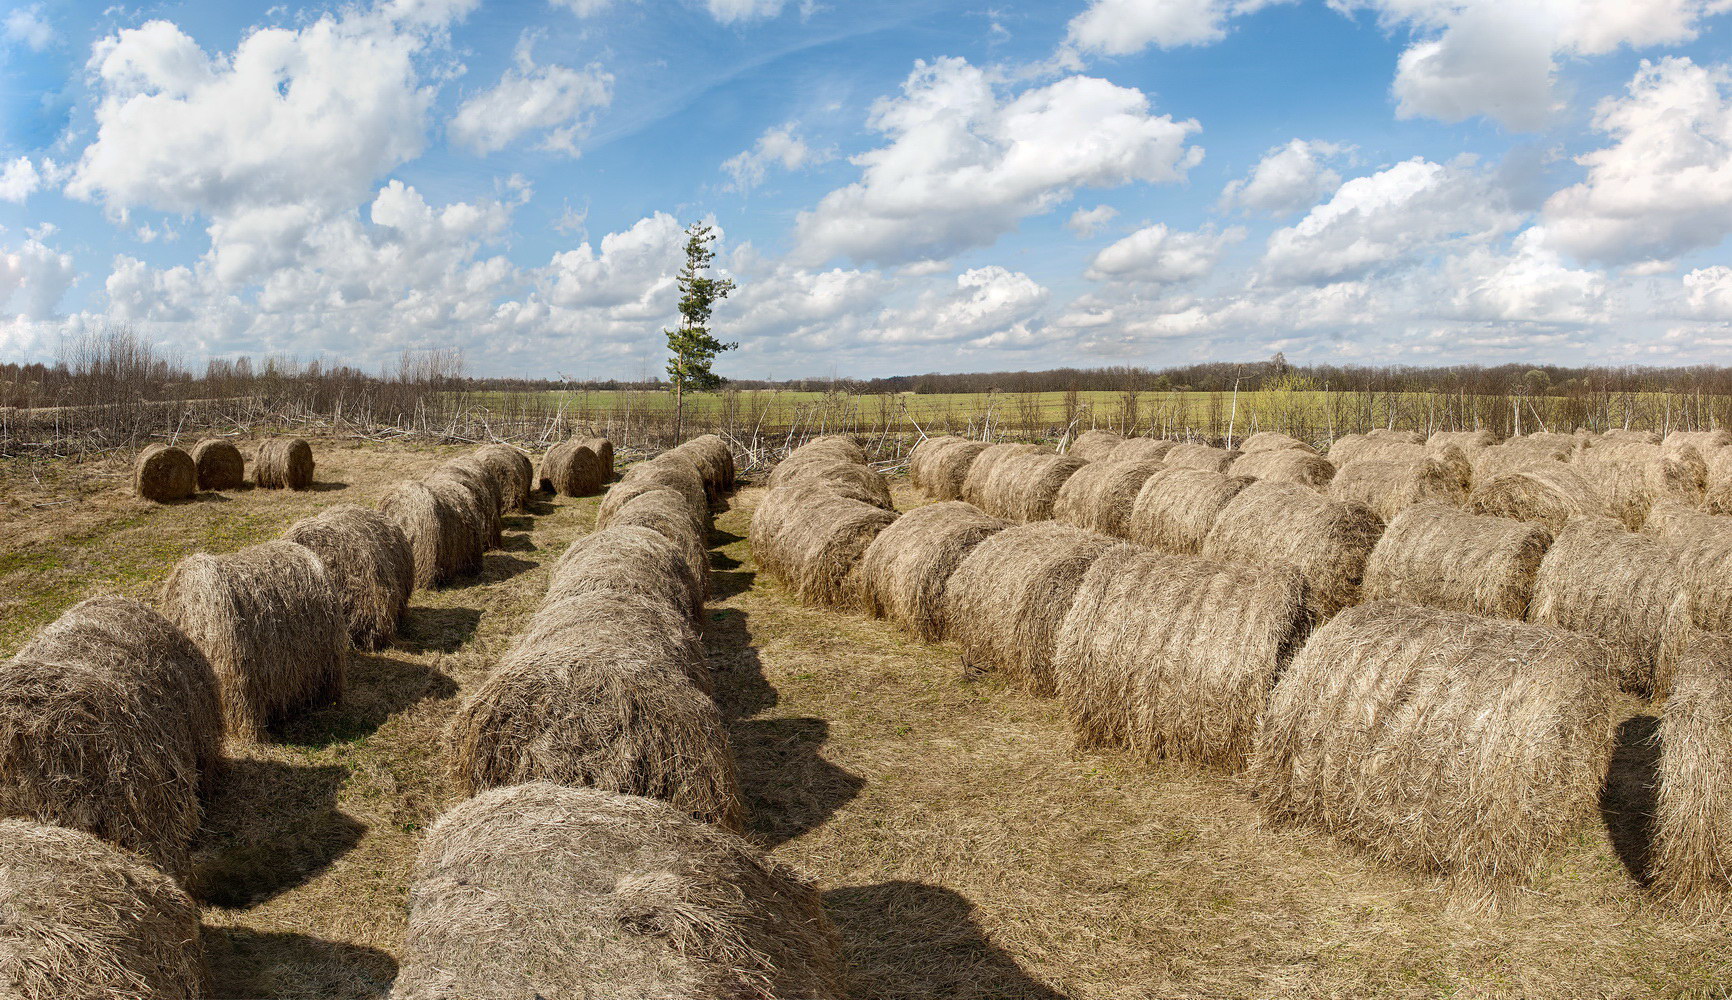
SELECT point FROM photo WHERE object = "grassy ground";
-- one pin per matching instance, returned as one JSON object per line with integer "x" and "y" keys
{"x": 964, "y": 848}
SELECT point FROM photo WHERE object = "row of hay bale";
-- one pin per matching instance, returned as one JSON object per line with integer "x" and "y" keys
{"x": 165, "y": 473}
{"x": 577, "y": 467}
{"x": 598, "y": 852}
{"x": 454, "y": 515}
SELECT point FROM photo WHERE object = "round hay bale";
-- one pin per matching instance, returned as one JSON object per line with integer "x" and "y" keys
{"x": 1718, "y": 498}
{"x": 540, "y": 890}
{"x": 1008, "y": 596}
{"x": 1274, "y": 441}
{"x": 1285, "y": 524}
{"x": 473, "y": 505}
{"x": 921, "y": 456}
{"x": 1633, "y": 474}
{"x": 636, "y": 560}
{"x": 1631, "y": 435}
{"x": 1548, "y": 492}
{"x": 1360, "y": 448}
{"x": 486, "y": 490}
{"x": 603, "y": 449}
{"x": 1391, "y": 434}
{"x": 269, "y": 620}
{"x": 1435, "y": 554}
{"x": 1701, "y": 549}
{"x": 629, "y": 489}
{"x": 1200, "y": 456}
{"x": 220, "y": 465}
{"x": 443, "y": 540}
{"x": 1703, "y": 441}
{"x": 164, "y": 473}
{"x": 857, "y": 482}
{"x": 1285, "y": 465}
{"x": 1501, "y": 460}
{"x": 973, "y": 487}
{"x": 1622, "y": 589}
{"x": 1439, "y": 740}
{"x": 905, "y": 570}
{"x": 109, "y": 724}
{"x": 1094, "y": 445}
{"x": 284, "y": 463}
{"x": 674, "y": 472}
{"x": 594, "y": 694}
{"x": 1099, "y": 496}
{"x": 1544, "y": 441}
{"x": 1468, "y": 441}
{"x": 1692, "y": 851}
{"x": 947, "y": 469}
{"x": 1023, "y": 488}
{"x": 665, "y": 512}
{"x": 1387, "y": 488}
{"x": 371, "y": 563}
{"x": 714, "y": 459}
{"x": 842, "y": 447}
{"x": 1174, "y": 656}
{"x": 511, "y": 471}
{"x": 813, "y": 540}
{"x": 1176, "y": 509}
{"x": 1142, "y": 450}
{"x": 85, "y": 920}
{"x": 572, "y": 469}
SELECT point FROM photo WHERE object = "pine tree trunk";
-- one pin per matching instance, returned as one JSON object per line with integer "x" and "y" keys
{"x": 679, "y": 404}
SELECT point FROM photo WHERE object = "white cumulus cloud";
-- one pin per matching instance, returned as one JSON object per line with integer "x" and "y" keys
{"x": 19, "y": 179}
{"x": 27, "y": 27}
{"x": 554, "y": 100}
{"x": 1288, "y": 178}
{"x": 1085, "y": 222}
{"x": 33, "y": 278}
{"x": 1126, "y": 27}
{"x": 1161, "y": 256}
{"x": 780, "y": 146}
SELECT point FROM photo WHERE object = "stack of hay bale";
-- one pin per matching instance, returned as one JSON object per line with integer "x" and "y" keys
{"x": 577, "y": 467}
{"x": 165, "y": 473}
{"x": 453, "y": 516}
{"x": 824, "y": 507}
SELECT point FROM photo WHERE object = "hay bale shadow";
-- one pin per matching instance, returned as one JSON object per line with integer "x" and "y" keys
{"x": 908, "y": 939}
{"x": 378, "y": 688}
{"x": 327, "y": 487}
{"x": 788, "y": 787}
{"x": 247, "y": 963}
{"x": 519, "y": 542}
{"x": 540, "y": 503}
{"x": 1627, "y": 798}
{"x": 728, "y": 576}
{"x": 270, "y": 828}
{"x": 742, "y": 690}
{"x": 495, "y": 566}
{"x": 437, "y": 630}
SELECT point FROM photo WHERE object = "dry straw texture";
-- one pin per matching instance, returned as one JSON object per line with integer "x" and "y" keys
{"x": 944, "y": 472}
{"x": 284, "y": 463}
{"x": 665, "y": 512}
{"x": 906, "y": 569}
{"x": 109, "y": 724}
{"x": 269, "y": 621}
{"x": 370, "y": 562}
{"x": 1624, "y": 590}
{"x": 1692, "y": 859}
{"x": 511, "y": 470}
{"x": 1391, "y": 434}
{"x": 1009, "y": 595}
{"x": 1629, "y": 434}
{"x": 1719, "y": 494}
{"x": 591, "y": 697}
{"x": 850, "y": 479}
{"x": 1094, "y": 445}
{"x": 839, "y": 446}
{"x": 1468, "y": 441}
{"x": 1550, "y": 493}
{"x": 813, "y": 540}
{"x": 1503, "y": 459}
{"x": 603, "y": 449}
{"x": 921, "y": 456}
{"x": 1176, "y": 509}
{"x": 553, "y": 892}
{"x": 672, "y": 472}
{"x": 1389, "y": 487}
{"x": 638, "y": 560}
{"x": 980, "y": 470}
{"x": 83, "y": 920}
{"x": 714, "y": 459}
{"x": 468, "y": 505}
{"x": 1701, "y": 549}
{"x": 1199, "y": 456}
{"x": 1283, "y": 524}
{"x": 485, "y": 489}
{"x": 1632, "y": 475}
{"x": 1702, "y": 441}
{"x": 1143, "y": 450}
{"x": 572, "y": 469}
{"x": 1286, "y": 465}
{"x": 1174, "y": 656}
{"x": 444, "y": 546}
{"x": 1274, "y": 441}
{"x": 1439, "y": 740}
{"x": 220, "y": 465}
{"x": 1438, "y": 555}
{"x": 1544, "y": 441}
{"x": 1023, "y": 488}
{"x": 163, "y": 473}
{"x": 1099, "y": 496}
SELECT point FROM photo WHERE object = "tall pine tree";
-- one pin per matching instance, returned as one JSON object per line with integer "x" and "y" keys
{"x": 691, "y": 348}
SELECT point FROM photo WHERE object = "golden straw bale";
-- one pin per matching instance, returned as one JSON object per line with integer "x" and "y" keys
{"x": 838, "y": 446}
{"x": 1468, "y": 441}
{"x": 852, "y": 480}
{"x": 980, "y": 470}
{"x": 1199, "y": 456}
{"x": 1389, "y": 487}
{"x": 1009, "y": 595}
{"x": 164, "y": 473}
{"x": 480, "y": 482}
{"x": 1632, "y": 475}
{"x": 1692, "y": 852}
{"x": 813, "y": 540}
{"x": 665, "y": 511}
{"x": 1391, "y": 434}
{"x": 370, "y": 560}
{"x": 1023, "y": 488}
{"x": 1175, "y": 656}
{"x": 1100, "y": 495}
{"x": 946, "y": 469}
{"x": 1286, "y": 465}
{"x": 1631, "y": 435}
{"x": 511, "y": 470}
{"x": 443, "y": 539}
{"x": 1503, "y": 459}
{"x": 1546, "y": 441}
{"x": 714, "y": 459}
{"x": 1094, "y": 445}
{"x": 1703, "y": 441}
{"x": 1435, "y": 554}
{"x": 1548, "y": 492}
{"x": 1438, "y": 739}
{"x": 633, "y": 559}
{"x": 572, "y": 469}
{"x": 1142, "y": 450}
{"x": 920, "y": 459}
{"x": 1176, "y": 509}
{"x": 1285, "y": 524}
{"x": 269, "y": 620}
{"x": 543, "y": 891}
{"x": 905, "y": 570}
{"x": 474, "y": 502}
{"x": 669, "y": 471}
{"x": 603, "y": 449}
{"x": 1274, "y": 441}
{"x": 1623, "y": 589}
{"x": 284, "y": 463}
{"x": 220, "y": 465}
{"x": 84, "y": 920}
{"x": 1701, "y": 549}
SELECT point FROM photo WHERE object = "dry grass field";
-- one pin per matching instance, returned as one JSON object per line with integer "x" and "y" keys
{"x": 965, "y": 849}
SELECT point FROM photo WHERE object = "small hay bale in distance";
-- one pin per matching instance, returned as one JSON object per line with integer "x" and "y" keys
{"x": 943, "y": 473}
{"x": 852, "y": 480}
{"x": 1550, "y": 493}
{"x": 284, "y": 463}
{"x": 86, "y": 920}
{"x": 572, "y": 469}
{"x": 1701, "y": 549}
{"x": 370, "y": 561}
{"x": 269, "y": 620}
{"x": 1361, "y": 447}
{"x": 1023, "y": 488}
{"x": 220, "y": 465}
{"x": 1625, "y": 591}
{"x": 594, "y": 700}
{"x": 1176, "y": 509}
{"x": 164, "y": 473}
{"x": 1387, "y": 488}
{"x": 1200, "y": 456}
{"x": 1142, "y": 450}
{"x": 666, "y": 513}
{"x": 714, "y": 459}
{"x": 814, "y": 540}
{"x": 1692, "y": 850}
{"x": 1632, "y": 475}
{"x": 980, "y": 470}
{"x": 1094, "y": 445}
{"x": 443, "y": 539}
{"x": 1099, "y": 496}
{"x": 1285, "y": 465}
{"x": 637, "y": 560}
{"x": 1468, "y": 441}
{"x": 1274, "y": 441}
{"x": 109, "y": 724}
{"x": 511, "y": 470}
{"x": 1285, "y": 524}
{"x": 1008, "y": 597}
{"x": 1703, "y": 441}
{"x": 1439, "y": 740}
{"x": 1440, "y": 556}
{"x": 541, "y": 890}
{"x": 905, "y": 570}
{"x": 1174, "y": 656}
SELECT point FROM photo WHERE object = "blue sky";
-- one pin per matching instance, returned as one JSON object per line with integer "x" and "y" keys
{"x": 902, "y": 186}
